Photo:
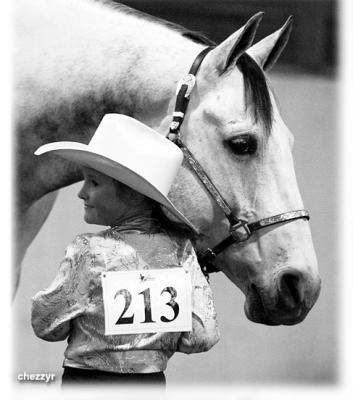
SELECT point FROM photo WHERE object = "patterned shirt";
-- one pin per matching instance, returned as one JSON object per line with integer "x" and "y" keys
{"x": 72, "y": 306}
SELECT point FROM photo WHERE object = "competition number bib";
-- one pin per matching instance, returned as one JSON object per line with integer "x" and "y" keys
{"x": 147, "y": 301}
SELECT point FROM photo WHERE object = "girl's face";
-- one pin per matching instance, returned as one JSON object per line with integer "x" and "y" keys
{"x": 106, "y": 201}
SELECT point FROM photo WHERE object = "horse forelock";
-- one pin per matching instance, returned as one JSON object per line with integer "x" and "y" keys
{"x": 256, "y": 92}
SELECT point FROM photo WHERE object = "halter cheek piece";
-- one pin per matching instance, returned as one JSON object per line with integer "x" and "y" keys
{"x": 240, "y": 230}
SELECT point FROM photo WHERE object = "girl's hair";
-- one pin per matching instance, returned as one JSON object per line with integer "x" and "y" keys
{"x": 163, "y": 223}
{"x": 175, "y": 227}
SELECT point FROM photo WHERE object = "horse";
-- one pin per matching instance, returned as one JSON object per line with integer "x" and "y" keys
{"x": 80, "y": 59}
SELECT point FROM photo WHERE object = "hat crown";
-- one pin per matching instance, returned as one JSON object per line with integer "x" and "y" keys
{"x": 141, "y": 149}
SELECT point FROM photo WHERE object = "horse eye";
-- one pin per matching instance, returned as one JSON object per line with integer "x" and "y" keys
{"x": 243, "y": 145}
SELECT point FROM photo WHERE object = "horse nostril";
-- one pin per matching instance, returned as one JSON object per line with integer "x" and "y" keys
{"x": 291, "y": 288}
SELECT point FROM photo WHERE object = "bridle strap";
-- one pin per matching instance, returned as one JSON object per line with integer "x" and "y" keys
{"x": 240, "y": 230}
{"x": 208, "y": 184}
{"x": 185, "y": 87}
{"x": 277, "y": 219}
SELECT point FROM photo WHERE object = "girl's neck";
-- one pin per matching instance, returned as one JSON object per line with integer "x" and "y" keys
{"x": 143, "y": 222}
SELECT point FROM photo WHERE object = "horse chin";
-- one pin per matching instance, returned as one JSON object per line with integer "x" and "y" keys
{"x": 256, "y": 310}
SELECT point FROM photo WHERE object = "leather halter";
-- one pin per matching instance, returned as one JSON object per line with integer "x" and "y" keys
{"x": 240, "y": 230}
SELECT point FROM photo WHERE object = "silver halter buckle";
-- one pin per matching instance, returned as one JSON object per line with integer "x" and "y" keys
{"x": 240, "y": 232}
{"x": 189, "y": 80}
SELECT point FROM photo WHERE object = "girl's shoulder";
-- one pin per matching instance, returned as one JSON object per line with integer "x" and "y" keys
{"x": 160, "y": 245}
{"x": 167, "y": 238}
{"x": 94, "y": 240}
{"x": 163, "y": 246}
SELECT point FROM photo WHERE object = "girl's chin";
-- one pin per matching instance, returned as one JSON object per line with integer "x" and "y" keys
{"x": 93, "y": 220}
{"x": 90, "y": 219}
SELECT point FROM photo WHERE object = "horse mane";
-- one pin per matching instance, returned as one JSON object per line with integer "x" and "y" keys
{"x": 256, "y": 90}
{"x": 195, "y": 36}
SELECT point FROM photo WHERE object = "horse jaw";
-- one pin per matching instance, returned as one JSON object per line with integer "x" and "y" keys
{"x": 290, "y": 284}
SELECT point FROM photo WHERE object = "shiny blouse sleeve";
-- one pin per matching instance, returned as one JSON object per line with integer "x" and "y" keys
{"x": 205, "y": 332}
{"x": 54, "y": 307}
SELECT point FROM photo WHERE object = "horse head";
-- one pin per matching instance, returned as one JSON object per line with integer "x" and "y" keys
{"x": 235, "y": 131}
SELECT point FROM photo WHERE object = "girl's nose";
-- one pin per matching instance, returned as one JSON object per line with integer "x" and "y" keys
{"x": 82, "y": 194}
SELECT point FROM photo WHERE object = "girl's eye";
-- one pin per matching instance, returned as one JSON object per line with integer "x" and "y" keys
{"x": 243, "y": 145}
{"x": 93, "y": 182}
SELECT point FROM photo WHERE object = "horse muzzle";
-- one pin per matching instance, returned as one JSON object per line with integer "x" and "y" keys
{"x": 286, "y": 301}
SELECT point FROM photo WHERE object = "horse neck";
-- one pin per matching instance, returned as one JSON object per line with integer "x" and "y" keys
{"x": 104, "y": 61}
{"x": 78, "y": 60}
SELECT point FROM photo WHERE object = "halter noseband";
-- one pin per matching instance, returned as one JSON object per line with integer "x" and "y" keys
{"x": 240, "y": 230}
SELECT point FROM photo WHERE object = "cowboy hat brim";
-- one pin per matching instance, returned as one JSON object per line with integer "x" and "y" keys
{"x": 81, "y": 154}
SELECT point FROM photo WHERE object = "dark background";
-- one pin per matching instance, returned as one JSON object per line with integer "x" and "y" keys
{"x": 313, "y": 45}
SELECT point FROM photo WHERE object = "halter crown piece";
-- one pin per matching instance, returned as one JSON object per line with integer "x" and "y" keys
{"x": 240, "y": 230}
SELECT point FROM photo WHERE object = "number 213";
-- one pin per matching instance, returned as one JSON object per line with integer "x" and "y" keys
{"x": 147, "y": 305}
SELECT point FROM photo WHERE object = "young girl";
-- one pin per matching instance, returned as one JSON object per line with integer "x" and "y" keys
{"x": 128, "y": 170}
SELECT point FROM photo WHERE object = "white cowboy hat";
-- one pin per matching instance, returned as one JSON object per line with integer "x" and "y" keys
{"x": 129, "y": 152}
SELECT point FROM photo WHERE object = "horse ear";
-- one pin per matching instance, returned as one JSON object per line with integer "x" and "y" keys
{"x": 227, "y": 52}
{"x": 267, "y": 51}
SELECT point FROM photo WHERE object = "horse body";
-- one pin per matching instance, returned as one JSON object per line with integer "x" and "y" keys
{"x": 71, "y": 71}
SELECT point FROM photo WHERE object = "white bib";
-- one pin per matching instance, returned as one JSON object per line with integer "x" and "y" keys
{"x": 146, "y": 301}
